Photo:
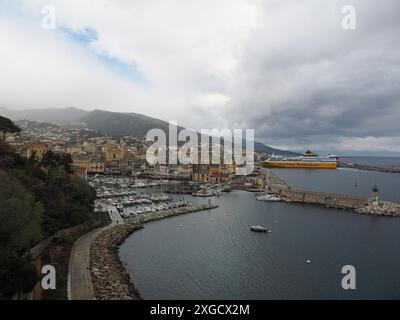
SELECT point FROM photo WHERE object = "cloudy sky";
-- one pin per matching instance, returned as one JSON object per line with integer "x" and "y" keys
{"x": 286, "y": 68}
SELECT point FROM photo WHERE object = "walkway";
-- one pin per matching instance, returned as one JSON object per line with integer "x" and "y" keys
{"x": 80, "y": 285}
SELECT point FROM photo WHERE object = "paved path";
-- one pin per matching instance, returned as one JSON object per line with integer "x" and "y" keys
{"x": 114, "y": 214}
{"x": 80, "y": 285}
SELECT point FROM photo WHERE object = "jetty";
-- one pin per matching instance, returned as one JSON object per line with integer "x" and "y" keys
{"x": 109, "y": 279}
{"x": 327, "y": 199}
{"x": 363, "y": 205}
{"x": 369, "y": 167}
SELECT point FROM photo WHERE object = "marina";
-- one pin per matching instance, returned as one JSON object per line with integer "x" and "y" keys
{"x": 237, "y": 216}
{"x": 132, "y": 197}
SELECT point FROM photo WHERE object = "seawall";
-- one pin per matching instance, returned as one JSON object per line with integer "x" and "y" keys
{"x": 109, "y": 277}
{"x": 320, "y": 198}
{"x": 370, "y": 167}
{"x": 361, "y": 205}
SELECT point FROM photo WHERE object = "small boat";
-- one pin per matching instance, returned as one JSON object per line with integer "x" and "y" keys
{"x": 203, "y": 193}
{"x": 258, "y": 229}
{"x": 308, "y": 261}
{"x": 268, "y": 197}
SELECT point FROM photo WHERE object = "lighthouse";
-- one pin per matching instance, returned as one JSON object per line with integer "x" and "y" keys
{"x": 375, "y": 195}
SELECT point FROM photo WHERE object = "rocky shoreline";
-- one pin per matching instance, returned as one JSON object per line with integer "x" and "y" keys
{"x": 109, "y": 277}
{"x": 382, "y": 208}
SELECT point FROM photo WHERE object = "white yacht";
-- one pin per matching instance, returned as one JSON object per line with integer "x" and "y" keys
{"x": 268, "y": 197}
{"x": 258, "y": 229}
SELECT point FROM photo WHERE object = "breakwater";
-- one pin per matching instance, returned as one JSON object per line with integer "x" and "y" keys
{"x": 362, "y": 205}
{"x": 381, "y": 208}
{"x": 370, "y": 167}
{"x": 109, "y": 278}
{"x": 327, "y": 199}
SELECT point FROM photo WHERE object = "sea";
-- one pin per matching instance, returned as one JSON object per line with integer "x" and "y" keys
{"x": 214, "y": 255}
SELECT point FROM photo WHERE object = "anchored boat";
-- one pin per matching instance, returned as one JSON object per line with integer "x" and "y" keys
{"x": 258, "y": 229}
{"x": 268, "y": 197}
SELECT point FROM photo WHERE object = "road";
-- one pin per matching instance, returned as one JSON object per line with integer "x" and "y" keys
{"x": 80, "y": 285}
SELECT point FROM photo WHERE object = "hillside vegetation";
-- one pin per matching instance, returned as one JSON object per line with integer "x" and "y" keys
{"x": 36, "y": 200}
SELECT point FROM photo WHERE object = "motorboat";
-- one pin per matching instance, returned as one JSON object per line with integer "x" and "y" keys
{"x": 258, "y": 229}
{"x": 203, "y": 193}
{"x": 268, "y": 197}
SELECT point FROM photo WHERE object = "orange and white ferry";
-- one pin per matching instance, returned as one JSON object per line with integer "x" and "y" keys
{"x": 307, "y": 160}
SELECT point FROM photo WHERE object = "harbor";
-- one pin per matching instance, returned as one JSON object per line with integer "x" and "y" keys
{"x": 133, "y": 203}
{"x": 132, "y": 197}
{"x": 301, "y": 257}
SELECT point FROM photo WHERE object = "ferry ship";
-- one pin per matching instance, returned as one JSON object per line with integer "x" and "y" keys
{"x": 307, "y": 160}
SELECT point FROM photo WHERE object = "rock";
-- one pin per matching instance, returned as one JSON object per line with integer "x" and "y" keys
{"x": 384, "y": 208}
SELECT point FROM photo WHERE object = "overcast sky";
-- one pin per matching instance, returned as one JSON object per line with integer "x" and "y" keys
{"x": 286, "y": 68}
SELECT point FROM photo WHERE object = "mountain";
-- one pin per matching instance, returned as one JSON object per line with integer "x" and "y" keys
{"x": 261, "y": 147}
{"x": 121, "y": 124}
{"x": 60, "y": 116}
{"x": 112, "y": 123}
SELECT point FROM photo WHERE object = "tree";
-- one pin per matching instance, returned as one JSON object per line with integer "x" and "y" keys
{"x": 6, "y": 125}
{"x": 54, "y": 160}
{"x": 35, "y": 203}
{"x": 20, "y": 229}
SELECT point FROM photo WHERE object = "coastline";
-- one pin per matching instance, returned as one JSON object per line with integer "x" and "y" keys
{"x": 109, "y": 278}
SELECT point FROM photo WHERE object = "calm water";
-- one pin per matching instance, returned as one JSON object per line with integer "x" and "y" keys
{"x": 215, "y": 256}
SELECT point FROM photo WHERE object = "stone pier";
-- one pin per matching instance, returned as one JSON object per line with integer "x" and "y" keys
{"x": 110, "y": 280}
{"x": 362, "y": 205}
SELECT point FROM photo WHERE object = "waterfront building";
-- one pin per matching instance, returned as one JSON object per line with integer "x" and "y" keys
{"x": 35, "y": 149}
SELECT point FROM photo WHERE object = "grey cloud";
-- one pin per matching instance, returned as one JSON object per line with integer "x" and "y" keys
{"x": 312, "y": 78}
